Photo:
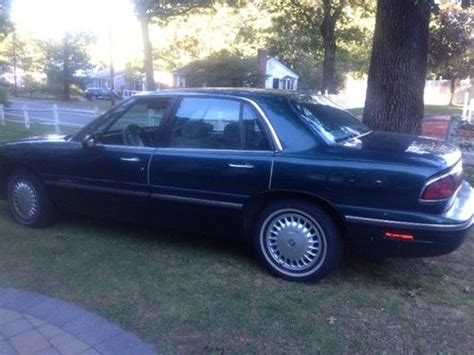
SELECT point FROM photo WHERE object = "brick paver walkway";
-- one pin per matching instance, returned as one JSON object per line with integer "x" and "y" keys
{"x": 34, "y": 324}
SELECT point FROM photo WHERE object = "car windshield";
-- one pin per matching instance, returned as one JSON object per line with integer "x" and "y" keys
{"x": 333, "y": 123}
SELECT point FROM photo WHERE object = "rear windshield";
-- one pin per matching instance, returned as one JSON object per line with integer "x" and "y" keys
{"x": 335, "y": 124}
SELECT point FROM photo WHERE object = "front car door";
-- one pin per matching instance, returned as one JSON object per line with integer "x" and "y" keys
{"x": 111, "y": 177}
{"x": 217, "y": 154}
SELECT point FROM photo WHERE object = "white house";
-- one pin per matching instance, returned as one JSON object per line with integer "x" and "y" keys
{"x": 277, "y": 74}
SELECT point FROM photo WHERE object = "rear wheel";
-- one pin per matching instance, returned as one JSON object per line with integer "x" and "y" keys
{"x": 297, "y": 241}
{"x": 28, "y": 200}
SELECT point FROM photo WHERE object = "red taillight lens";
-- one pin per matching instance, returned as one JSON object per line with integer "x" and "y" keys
{"x": 440, "y": 189}
{"x": 444, "y": 187}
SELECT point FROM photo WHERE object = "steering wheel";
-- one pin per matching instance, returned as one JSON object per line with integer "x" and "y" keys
{"x": 135, "y": 136}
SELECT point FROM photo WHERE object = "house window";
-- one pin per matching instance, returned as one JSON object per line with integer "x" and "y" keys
{"x": 276, "y": 83}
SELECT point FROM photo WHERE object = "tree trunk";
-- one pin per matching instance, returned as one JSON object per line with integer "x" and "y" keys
{"x": 328, "y": 28}
{"x": 398, "y": 67}
{"x": 66, "y": 72}
{"x": 147, "y": 55}
{"x": 331, "y": 15}
{"x": 451, "y": 90}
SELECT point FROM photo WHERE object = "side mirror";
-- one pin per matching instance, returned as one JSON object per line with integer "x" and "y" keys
{"x": 89, "y": 143}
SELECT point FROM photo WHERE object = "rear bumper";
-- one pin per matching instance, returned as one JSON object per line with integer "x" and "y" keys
{"x": 433, "y": 235}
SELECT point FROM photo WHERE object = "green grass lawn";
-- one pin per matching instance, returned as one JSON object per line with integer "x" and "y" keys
{"x": 430, "y": 110}
{"x": 11, "y": 131}
{"x": 190, "y": 293}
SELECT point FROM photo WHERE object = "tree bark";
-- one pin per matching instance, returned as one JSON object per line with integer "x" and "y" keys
{"x": 147, "y": 54}
{"x": 398, "y": 64}
{"x": 331, "y": 15}
{"x": 329, "y": 62}
{"x": 451, "y": 91}
{"x": 66, "y": 71}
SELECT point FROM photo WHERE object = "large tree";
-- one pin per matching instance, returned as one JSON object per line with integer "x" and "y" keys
{"x": 313, "y": 31}
{"x": 450, "y": 54}
{"x": 66, "y": 59}
{"x": 160, "y": 10}
{"x": 398, "y": 66}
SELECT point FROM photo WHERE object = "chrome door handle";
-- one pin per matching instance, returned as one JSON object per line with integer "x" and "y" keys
{"x": 241, "y": 166}
{"x": 130, "y": 159}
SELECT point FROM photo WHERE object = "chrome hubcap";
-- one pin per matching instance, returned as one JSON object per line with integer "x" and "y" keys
{"x": 24, "y": 200}
{"x": 294, "y": 241}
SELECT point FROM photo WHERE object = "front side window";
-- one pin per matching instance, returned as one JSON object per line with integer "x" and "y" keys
{"x": 213, "y": 123}
{"x": 334, "y": 124}
{"x": 137, "y": 125}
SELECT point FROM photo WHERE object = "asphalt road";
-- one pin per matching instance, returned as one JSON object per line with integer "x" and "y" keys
{"x": 65, "y": 117}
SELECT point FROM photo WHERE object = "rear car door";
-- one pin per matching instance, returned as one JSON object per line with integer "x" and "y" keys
{"x": 216, "y": 155}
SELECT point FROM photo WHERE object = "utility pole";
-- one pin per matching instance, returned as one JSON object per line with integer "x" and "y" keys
{"x": 112, "y": 70}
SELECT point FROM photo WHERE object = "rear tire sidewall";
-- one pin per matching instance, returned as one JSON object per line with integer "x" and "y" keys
{"x": 46, "y": 211}
{"x": 331, "y": 238}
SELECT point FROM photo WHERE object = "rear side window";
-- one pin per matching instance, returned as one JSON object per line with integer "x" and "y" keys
{"x": 214, "y": 123}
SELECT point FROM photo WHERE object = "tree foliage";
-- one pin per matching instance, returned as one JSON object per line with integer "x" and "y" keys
{"x": 223, "y": 69}
{"x": 450, "y": 53}
{"x": 6, "y": 25}
{"x": 66, "y": 60}
{"x": 322, "y": 38}
{"x": 160, "y": 10}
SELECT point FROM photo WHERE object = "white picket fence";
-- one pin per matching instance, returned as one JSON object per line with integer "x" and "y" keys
{"x": 53, "y": 116}
{"x": 468, "y": 108}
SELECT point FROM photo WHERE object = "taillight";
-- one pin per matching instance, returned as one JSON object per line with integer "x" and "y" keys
{"x": 443, "y": 187}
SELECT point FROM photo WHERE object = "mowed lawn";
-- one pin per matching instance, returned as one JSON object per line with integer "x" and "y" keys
{"x": 192, "y": 293}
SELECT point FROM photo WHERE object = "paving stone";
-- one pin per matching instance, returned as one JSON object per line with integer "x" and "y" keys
{"x": 35, "y": 322}
{"x": 125, "y": 344}
{"x": 92, "y": 329}
{"x": 6, "y": 316}
{"x": 29, "y": 342}
{"x": 56, "y": 312}
{"x": 7, "y": 295}
{"x": 67, "y": 344}
{"x": 49, "y": 331}
{"x": 6, "y": 348}
{"x": 48, "y": 351}
{"x": 89, "y": 351}
{"x": 23, "y": 301}
{"x": 15, "y": 327}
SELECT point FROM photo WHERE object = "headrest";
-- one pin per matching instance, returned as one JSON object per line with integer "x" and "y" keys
{"x": 196, "y": 129}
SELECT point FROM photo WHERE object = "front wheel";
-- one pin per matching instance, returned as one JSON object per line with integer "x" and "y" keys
{"x": 28, "y": 200}
{"x": 297, "y": 241}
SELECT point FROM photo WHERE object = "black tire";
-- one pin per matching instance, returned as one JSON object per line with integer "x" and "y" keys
{"x": 306, "y": 233}
{"x": 26, "y": 185}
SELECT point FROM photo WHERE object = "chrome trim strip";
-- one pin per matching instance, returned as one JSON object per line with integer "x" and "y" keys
{"x": 197, "y": 201}
{"x": 97, "y": 188}
{"x": 411, "y": 225}
{"x": 275, "y": 138}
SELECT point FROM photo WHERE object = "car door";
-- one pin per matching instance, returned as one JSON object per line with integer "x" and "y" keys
{"x": 111, "y": 176}
{"x": 216, "y": 155}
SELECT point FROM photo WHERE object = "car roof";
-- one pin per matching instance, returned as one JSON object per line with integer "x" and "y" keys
{"x": 242, "y": 92}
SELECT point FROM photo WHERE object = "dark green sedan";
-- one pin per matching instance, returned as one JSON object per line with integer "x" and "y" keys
{"x": 298, "y": 176}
